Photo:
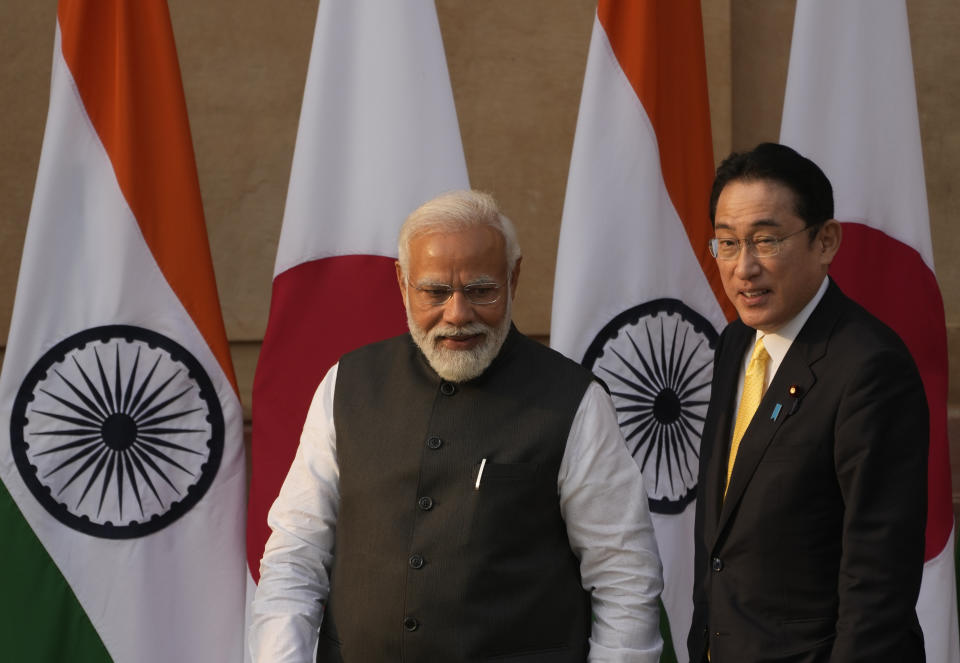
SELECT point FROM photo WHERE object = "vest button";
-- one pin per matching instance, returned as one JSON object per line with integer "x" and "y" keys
{"x": 434, "y": 443}
{"x": 416, "y": 561}
{"x": 425, "y": 503}
{"x": 716, "y": 564}
{"x": 448, "y": 388}
{"x": 411, "y": 624}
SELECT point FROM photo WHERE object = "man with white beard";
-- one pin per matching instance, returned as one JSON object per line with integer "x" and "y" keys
{"x": 461, "y": 492}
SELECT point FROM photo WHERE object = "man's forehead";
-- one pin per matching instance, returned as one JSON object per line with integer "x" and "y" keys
{"x": 762, "y": 189}
{"x": 755, "y": 204}
{"x": 471, "y": 234}
{"x": 458, "y": 246}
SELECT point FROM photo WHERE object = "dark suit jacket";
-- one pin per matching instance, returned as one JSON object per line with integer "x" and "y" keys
{"x": 817, "y": 551}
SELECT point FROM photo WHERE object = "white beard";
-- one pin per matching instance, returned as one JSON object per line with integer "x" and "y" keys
{"x": 461, "y": 365}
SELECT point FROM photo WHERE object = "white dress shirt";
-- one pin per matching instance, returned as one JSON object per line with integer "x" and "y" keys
{"x": 778, "y": 342}
{"x": 602, "y": 501}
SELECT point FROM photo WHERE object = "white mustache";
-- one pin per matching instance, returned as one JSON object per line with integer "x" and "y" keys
{"x": 451, "y": 331}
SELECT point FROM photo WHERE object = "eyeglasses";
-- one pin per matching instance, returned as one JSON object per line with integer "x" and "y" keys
{"x": 438, "y": 294}
{"x": 759, "y": 246}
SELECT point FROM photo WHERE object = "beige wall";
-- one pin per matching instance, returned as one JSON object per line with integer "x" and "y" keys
{"x": 516, "y": 69}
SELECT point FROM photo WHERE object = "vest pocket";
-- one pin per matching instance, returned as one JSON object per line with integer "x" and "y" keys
{"x": 509, "y": 472}
{"x": 510, "y": 503}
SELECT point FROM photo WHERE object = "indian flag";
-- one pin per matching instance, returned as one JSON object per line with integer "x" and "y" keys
{"x": 121, "y": 451}
{"x": 851, "y": 106}
{"x": 637, "y": 297}
{"x": 378, "y": 136}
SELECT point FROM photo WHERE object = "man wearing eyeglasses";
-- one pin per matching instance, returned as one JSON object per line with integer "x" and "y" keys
{"x": 812, "y": 488}
{"x": 461, "y": 493}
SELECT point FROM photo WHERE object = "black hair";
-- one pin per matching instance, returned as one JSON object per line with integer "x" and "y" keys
{"x": 812, "y": 192}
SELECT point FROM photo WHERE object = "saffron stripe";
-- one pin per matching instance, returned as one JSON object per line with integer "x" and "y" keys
{"x": 124, "y": 61}
{"x": 673, "y": 91}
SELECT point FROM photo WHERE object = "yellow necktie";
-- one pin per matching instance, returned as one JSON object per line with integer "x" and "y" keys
{"x": 749, "y": 401}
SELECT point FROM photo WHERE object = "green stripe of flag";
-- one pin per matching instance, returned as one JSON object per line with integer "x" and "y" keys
{"x": 40, "y": 618}
{"x": 668, "y": 655}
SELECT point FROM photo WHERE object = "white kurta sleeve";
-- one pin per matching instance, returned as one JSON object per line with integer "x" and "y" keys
{"x": 604, "y": 506}
{"x": 294, "y": 571}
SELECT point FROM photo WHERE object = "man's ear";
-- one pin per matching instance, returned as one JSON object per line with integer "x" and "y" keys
{"x": 515, "y": 278}
{"x": 402, "y": 282}
{"x": 828, "y": 240}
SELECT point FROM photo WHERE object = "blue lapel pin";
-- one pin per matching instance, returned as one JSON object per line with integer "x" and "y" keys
{"x": 776, "y": 412}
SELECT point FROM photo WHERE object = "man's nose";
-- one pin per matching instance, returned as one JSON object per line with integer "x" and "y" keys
{"x": 458, "y": 310}
{"x": 747, "y": 264}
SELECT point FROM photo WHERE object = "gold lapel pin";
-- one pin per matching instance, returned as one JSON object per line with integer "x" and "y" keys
{"x": 794, "y": 391}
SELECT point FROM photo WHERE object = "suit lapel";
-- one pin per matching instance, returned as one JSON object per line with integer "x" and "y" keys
{"x": 725, "y": 384}
{"x": 778, "y": 404}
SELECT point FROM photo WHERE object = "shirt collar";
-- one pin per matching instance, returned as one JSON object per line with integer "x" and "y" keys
{"x": 777, "y": 343}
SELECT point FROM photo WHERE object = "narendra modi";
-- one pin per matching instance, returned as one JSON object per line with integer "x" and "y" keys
{"x": 461, "y": 492}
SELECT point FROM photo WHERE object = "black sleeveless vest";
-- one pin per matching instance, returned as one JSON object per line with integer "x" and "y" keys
{"x": 427, "y": 567}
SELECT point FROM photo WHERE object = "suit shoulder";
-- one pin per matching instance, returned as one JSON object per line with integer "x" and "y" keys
{"x": 859, "y": 344}
{"x": 866, "y": 331}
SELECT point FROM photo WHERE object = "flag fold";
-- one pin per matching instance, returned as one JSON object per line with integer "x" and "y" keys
{"x": 378, "y": 136}
{"x": 637, "y": 297}
{"x": 851, "y": 107}
{"x": 121, "y": 451}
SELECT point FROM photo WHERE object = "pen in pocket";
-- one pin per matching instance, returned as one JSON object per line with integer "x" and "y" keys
{"x": 483, "y": 463}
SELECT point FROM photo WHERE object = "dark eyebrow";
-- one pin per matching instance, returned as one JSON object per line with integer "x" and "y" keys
{"x": 765, "y": 223}
{"x": 759, "y": 223}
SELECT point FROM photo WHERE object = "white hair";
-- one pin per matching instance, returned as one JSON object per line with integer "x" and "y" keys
{"x": 455, "y": 211}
